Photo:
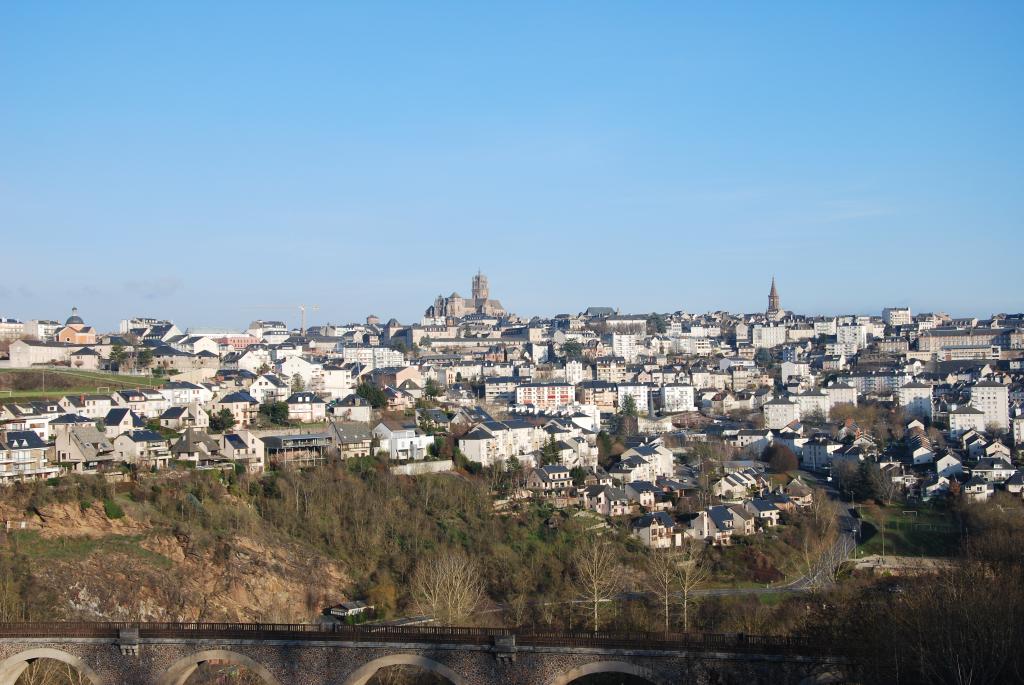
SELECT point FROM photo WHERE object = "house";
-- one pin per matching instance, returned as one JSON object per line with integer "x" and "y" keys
{"x": 142, "y": 448}
{"x": 632, "y": 468}
{"x": 34, "y": 416}
{"x": 83, "y": 449}
{"x": 352, "y": 439}
{"x": 306, "y": 407}
{"x": 23, "y": 458}
{"x": 348, "y": 609}
{"x": 490, "y": 441}
{"x": 799, "y": 493}
{"x": 657, "y": 530}
{"x": 743, "y": 520}
{"x": 180, "y": 418}
{"x": 949, "y": 466}
{"x": 183, "y": 393}
{"x": 993, "y": 469}
{"x": 85, "y": 358}
{"x": 298, "y": 449}
{"x": 978, "y": 489}
{"x": 242, "y": 406}
{"x": 714, "y": 525}
{"x": 766, "y": 513}
{"x": 402, "y": 439}
{"x": 657, "y": 455}
{"x": 398, "y": 399}
{"x": 606, "y": 500}
{"x": 352, "y": 408}
{"x": 739, "y": 484}
{"x": 198, "y": 447}
{"x": 269, "y": 388}
{"x": 121, "y": 419}
{"x": 549, "y": 481}
{"x": 243, "y": 447}
{"x": 142, "y": 401}
{"x": 642, "y": 492}
{"x": 89, "y": 406}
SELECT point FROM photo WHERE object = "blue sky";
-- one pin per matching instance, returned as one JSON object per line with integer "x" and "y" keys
{"x": 197, "y": 160}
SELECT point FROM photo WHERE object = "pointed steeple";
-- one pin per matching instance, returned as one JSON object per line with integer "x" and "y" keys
{"x": 773, "y": 300}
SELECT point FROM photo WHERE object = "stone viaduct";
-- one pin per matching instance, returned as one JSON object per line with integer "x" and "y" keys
{"x": 300, "y": 654}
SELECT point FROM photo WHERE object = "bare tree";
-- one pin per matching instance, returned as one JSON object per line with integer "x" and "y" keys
{"x": 662, "y": 568}
{"x": 448, "y": 587}
{"x": 693, "y": 571}
{"x": 51, "y": 672}
{"x": 883, "y": 483}
{"x": 598, "y": 575}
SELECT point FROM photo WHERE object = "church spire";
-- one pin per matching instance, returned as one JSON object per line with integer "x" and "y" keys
{"x": 773, "y": 300}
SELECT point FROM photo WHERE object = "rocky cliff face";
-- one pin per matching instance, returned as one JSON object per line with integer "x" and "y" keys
{"x": 91, "y": 567}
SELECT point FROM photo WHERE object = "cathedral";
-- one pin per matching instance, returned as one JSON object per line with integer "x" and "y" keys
{"x": 456, "y": 306}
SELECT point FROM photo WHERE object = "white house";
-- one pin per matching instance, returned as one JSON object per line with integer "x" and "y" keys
{"x": 402, "y": 439}
{"x": 306, "y": 407}
{"x": 269, "y": 388}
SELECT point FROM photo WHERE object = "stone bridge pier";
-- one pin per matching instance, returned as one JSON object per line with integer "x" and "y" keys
{"x": 131, "y": 659}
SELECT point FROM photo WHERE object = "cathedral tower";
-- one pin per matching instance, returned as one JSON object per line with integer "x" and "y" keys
{"x": 481, "y": 292}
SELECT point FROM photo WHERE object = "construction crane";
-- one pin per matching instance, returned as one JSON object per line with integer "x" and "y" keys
{"x": 301, "y": 307}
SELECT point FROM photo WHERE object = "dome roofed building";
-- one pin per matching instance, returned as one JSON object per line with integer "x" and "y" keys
{"x": 75, "y": 332}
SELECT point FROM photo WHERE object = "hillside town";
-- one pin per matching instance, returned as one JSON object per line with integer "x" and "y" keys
{"x": 668, "y": 419}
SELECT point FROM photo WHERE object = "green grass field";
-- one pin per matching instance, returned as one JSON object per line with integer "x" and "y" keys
{"x": 908, "y": 531}
{"x": 28, "y": 384}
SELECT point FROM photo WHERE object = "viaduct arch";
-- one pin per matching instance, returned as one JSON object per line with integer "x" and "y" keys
{"x": 363, "y": 674}
{"x": 181, "y": 669}
{"x": 13, "y": 666}
{"x": 608, "y": 667}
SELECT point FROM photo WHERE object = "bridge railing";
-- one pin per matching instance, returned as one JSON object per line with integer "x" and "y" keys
{"x": 527, "y": 637}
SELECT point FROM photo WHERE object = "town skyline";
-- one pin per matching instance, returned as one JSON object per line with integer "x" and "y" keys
{"x": 289, "y": 314}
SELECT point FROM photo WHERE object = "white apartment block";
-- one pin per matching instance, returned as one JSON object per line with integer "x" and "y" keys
{"x": 41, "y": 330}
{"x": 768, "y": 336}
{"x": 916, "y": 399}
{"x": 626, "y": 345}
{"x": 994, "y": 400}
{"x": 780, "y": 413}
{"x": 825, "y": 328}
{"x": 897, "y": 316}
{"x": 841, "y": 393}
{"x": 692, "y": 345}
{"x": 677, "y": 397}
{"x": 851, "y": 338}
{"x": 372, "y": 357}
{"x": 640, "y": 393}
